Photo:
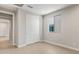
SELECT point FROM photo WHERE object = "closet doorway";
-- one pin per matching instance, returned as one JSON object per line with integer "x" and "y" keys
{"x": 6, "y": 31}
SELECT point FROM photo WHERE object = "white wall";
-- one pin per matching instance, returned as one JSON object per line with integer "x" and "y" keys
{"x": 16, "y": 27}
{"x": 69, "y": 33}
{"x": 4, "y": 29}
{"x": 19, "y": 28}
{"x": 27, "y": 28}
{"x": 32, "y": 28}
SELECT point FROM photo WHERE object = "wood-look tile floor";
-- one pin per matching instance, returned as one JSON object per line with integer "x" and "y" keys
{"x": 5, "y": 44}
{"x": 38, "y": 48}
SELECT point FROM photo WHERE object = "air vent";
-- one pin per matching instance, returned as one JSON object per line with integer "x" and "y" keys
{"x": 19, "y": 5}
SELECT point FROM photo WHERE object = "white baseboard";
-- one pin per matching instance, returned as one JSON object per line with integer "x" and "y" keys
{"x": 61, "y": 45}
{"x": 22, "y": 45}
{"x": 57, "y": 44}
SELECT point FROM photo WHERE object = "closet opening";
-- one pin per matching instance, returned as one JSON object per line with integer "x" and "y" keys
{"x": 6, "y": 31}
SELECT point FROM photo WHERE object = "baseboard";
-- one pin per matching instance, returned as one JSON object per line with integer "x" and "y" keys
{"x": 61, "y": 45}
{"x": 41, "y": 41}
{"x": 57, "y": 44}
{"x": 22, "y": 45}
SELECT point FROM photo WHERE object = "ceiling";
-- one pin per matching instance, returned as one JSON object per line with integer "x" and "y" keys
{"x": 8, "y": 7}
{"x": 42, "y": 9}
{"x": 39, "y": 9}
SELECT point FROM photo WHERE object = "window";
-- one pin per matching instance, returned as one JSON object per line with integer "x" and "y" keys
{"x": 57, "y": 20}
{"x": 51, "y": 25}
{"x": 54, "y": 24}
{"x": 51, "y": 28}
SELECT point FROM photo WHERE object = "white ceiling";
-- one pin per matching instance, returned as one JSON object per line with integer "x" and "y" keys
{"x": 8, "y": 7}
{"x": 42, "y": 9}
{"x": 39, "y": 9}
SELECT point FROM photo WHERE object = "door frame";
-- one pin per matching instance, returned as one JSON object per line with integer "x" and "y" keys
{"x": 11, "y": 13}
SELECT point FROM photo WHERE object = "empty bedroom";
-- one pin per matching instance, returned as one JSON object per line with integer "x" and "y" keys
{"x": 39, "y": 28}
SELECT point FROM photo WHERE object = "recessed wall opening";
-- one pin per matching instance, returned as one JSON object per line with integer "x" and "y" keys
{"x": 6, "y": 31}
